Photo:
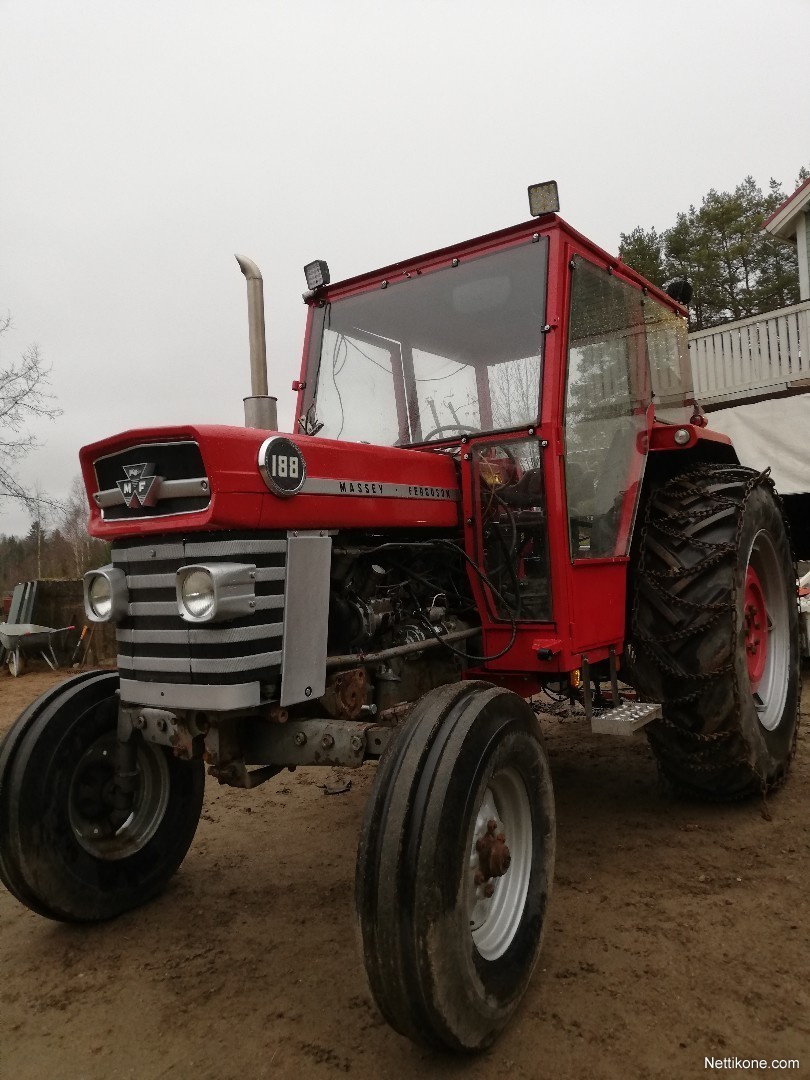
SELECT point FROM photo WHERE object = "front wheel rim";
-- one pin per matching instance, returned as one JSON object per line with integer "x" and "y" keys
{"x": 766, "y": 631}
{"x": 93, "y": 816}
{"x": 495, "y": 904}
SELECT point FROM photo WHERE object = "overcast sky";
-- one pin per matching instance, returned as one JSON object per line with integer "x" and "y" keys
{"x": 143, "y": 143}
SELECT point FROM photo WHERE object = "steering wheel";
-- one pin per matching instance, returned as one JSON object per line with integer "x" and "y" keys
{"x": 448, "y": 427}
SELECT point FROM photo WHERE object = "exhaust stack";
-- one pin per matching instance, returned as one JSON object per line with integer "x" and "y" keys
{"x": 260, "y": 407}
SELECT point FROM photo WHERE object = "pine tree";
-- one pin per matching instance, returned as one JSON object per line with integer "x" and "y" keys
{"x": 736, "y": 269}
{"x": 644, "y": 251}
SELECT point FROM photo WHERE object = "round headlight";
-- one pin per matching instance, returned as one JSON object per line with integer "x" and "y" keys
{"x": 99, "y": 595}
{"x": 197, "y": 594}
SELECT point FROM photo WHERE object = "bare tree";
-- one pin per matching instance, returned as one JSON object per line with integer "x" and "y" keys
{"x": 514, "y": 389}
{"x": 23, "y": 398}
{"x": 74, "y": 528}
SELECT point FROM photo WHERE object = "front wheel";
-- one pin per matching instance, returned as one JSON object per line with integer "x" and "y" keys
{"x": 455, "y": 866}
{"x": 70, "y": 848}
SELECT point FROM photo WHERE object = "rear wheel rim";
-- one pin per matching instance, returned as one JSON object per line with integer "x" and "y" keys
{"x": 94, "y": 819}
{"x": 766, "y": 631}
{"x": 756, "y": 628}
{"x": 494, "y": 920}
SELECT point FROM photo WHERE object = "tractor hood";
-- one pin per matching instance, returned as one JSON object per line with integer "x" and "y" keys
{"x": 159, "y": 480}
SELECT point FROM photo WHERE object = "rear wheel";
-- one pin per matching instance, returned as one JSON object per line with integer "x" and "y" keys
{"x": 455, "y": 866}
{"x": 70, "y": 847}
{"x": 715, "y": 632}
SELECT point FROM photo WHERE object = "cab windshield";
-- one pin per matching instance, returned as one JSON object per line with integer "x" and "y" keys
{"x": 432, "y": 355}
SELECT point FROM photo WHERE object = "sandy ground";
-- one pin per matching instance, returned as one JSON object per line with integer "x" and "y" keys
{"x": 676, "y": 931}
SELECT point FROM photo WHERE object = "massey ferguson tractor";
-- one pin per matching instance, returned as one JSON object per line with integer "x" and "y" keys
{"x": 498, "y": 482}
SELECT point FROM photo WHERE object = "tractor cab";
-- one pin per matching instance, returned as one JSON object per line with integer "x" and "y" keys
{"x": 539, "y": 363}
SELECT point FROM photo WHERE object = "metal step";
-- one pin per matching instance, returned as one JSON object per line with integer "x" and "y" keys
{"x": 625, "y": 719}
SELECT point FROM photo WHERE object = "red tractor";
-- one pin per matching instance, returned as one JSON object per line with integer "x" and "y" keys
{"x": 498, "y": 482}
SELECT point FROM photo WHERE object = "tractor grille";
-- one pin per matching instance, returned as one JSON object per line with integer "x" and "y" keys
{"x": 156, "y": 646}
{"x": 180, "y": 485}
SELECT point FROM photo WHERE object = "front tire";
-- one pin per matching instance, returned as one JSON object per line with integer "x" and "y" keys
{"x": 716, "y": 634}
{"x": 451, "y": 921}
{"x": 66, "y": 850}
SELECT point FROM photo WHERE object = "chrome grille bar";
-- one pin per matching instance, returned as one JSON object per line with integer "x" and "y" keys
{"x": 212, "y": 636}
{"x": 213, "y": 667}
{"x": 172, "y": 659}
{"x": 165, "y": 489}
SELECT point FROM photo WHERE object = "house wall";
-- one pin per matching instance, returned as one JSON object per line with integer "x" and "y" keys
{"x": 772, "y": 433}
{"x": 775, "y": 434}
{"x": 803, "y": 249}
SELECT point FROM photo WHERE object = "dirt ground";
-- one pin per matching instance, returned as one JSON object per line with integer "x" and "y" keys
{"x": 676, "y": 931}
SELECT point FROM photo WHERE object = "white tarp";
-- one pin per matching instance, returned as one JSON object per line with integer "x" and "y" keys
{"x": 775, "y": 433}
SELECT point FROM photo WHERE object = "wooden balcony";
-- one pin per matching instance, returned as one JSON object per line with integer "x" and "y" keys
{"x": 766, "y": 356}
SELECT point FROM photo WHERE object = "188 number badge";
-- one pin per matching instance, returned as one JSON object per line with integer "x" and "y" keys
{"x": 282, "y": 465}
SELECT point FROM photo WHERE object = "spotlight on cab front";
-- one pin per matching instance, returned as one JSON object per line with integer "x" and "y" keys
{"x": 317, "y": 274}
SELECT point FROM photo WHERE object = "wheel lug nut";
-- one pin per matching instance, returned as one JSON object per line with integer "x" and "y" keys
{"x": 479, "y": 878}
{"x": 489, "y": 889}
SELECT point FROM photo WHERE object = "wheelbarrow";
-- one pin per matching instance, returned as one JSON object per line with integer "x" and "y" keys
{"x": 23, "y": 639}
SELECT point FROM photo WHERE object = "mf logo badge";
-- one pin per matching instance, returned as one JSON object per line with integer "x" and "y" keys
{"x": 140, "y": 487}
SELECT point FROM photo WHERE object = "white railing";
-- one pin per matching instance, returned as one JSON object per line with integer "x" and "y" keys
{"x": 752, "y": 358}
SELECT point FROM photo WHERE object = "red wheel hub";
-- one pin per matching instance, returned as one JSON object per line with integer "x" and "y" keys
{"x": 755, "y": 628}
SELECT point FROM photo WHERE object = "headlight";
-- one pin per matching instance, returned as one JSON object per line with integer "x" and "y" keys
{"x": 197, "y": 594}
{"x": 214, "y": 592}
{"x": 99, "y": 596}
{"x": 105, "y": 594}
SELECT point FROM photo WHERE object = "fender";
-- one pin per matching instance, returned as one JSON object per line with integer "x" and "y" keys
{"x": 701, "y": 445}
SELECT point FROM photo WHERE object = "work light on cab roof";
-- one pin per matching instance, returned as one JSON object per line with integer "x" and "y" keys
{"x": 544, "y": 198}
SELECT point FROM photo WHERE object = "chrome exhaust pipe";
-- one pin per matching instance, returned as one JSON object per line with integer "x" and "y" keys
{"x": 260, "y": 407}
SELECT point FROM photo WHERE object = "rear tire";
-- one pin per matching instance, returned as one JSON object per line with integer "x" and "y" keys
{"x": 448, "y": 954}
{"x": 63, "y": 851}
{"x": 715, "y": 632}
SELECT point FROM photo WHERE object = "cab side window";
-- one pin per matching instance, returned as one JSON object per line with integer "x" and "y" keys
{"x": 607, "y": 394}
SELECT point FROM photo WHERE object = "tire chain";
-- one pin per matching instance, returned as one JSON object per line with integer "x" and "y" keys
{"x": 693, "y": 540}
{"x": 687, "y": 632}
